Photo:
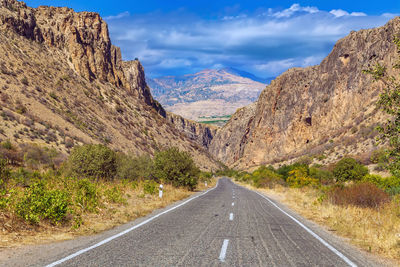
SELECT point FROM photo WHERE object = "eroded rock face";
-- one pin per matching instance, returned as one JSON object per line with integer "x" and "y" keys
{"x": 228, "y": 142}
{"x": 136, "y": 79}
{"x": 82, "y": 36}
{"x": 200, "y": 133}
{"x": 307, "y": 107}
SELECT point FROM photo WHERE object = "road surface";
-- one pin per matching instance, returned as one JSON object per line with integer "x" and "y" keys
{"x": 226, "y": 226}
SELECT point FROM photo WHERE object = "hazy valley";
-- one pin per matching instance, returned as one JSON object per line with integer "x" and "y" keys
{"x": 207, "y": 95}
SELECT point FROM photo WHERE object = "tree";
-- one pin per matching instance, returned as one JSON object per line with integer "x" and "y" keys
{"x": 176, "y": 167}
{"x": 389, "y": 102}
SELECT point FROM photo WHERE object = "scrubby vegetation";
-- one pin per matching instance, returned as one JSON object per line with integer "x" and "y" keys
{"x": 347, "y": 182}
{"x": 41, "y": 186}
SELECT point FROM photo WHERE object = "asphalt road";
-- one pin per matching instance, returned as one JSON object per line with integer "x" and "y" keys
{"x": 227, "y": 226}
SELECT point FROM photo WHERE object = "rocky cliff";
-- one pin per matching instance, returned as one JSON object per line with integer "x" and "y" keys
{"x": 311, "y": 110}
{"x": 82, "y": 36}
{"x": 200, "y": 133}
{"x": 135, "y": 76}
{"x": 63, "y": 83}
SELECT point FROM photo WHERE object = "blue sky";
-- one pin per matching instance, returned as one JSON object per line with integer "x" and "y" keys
{"x": 262, "y": 37}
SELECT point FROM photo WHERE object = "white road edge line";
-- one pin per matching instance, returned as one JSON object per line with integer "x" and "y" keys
{"x": 224, "y": 247}
{"x": 126, "y": 231}
{"x": 326, "y": 244}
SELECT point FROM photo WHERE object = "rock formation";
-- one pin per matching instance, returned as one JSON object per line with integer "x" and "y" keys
{"x": 82, "y": 36}
{"x": 305, "y": 109}
{"x": 134, "y": 73}
{"x": 200, "y": 133}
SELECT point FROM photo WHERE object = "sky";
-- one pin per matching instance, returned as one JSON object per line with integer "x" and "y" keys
{"x": 262, "y": 37}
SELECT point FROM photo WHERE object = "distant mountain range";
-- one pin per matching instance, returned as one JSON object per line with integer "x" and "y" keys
{"x": 208, "y": 93}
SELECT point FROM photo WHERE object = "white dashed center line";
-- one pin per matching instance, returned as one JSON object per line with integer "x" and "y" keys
{"x": 231, "y": 217}
{"x": 233, "y": 204}
{"x": 223, "y": 250}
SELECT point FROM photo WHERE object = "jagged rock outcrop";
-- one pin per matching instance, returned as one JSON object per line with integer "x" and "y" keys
{"x": 202, "y": 134}
{"x": 82, "y": 36}
{"x": 135, "y": 76}
{"x": 306, "y": 108}
{"x": 229, "y": 141}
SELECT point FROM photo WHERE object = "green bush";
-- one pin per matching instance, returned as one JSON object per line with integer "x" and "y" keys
{"x": 7, "y": 145}
{"x": 205, "y": 176}
{"x": 138, "y": 168}
{"x": 286, "y": 169}
{"x": 25, "y": 177}
{"x": 389, "y": 184}
{"x": 176, "y": 167}
{"x": 40, "y": 203}
{"x": 87, "y": 196}
{"x": 348, "y": 169}
{"x": 115, "y": 195}
{"x": 92, "y": 161}
{"x": 4, "y": 173}
{"x": 299, "y": 177}
{"x": 321, "y": 174}
{"x": 36, "y": 156}
{"x": 150, "y": 187}
{"x": 266, "y": 177}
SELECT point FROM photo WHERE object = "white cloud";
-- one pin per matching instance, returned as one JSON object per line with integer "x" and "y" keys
{"x": 286, "y": 13}
{"x": 119, "y": 16}
{"x": 340, "y": 13}
{"x": 267, "y": 43}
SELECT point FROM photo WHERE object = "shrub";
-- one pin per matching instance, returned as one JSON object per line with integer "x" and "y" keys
{"x": 361, "y": 195}
{"x": 87, "y": 196}
{"x": 298, "y": 177}
{"x": 4, "y": 173}
{"x": 138, "y": 168}
{"x": 388, "y": 184}
{"x": 150, "y": 187}
{"x": 7, "y": 145}
{"x": 321, "y": 174}
{"x": 348, "y": 169}
{"x": 176, "y": 167}
{"x": 25, "y": 81}
{"x": 40, "y": 203}
{"x": 266, "y": 177}
{"x": 36, "y": 156}
{"x": 114, "y": 195}
{"x": 286, "y": 169}
{"x": 92, "y": 161}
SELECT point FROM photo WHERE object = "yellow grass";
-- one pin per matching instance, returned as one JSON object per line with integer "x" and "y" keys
{"x": 373, "y": 230}
{"x": 109, "y": 215}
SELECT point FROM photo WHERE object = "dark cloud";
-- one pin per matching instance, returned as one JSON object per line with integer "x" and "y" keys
{"x": 265, "y": 43}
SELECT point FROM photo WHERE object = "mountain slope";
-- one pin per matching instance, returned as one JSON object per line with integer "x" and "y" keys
{"x": 325, "y": 109}
{"x": 63, "y": 83}
{"x": 206, "y": 93}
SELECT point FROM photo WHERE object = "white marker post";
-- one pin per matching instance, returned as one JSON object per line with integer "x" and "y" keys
{"x": 160, "y": 191}
{"x": 205, "y": 183}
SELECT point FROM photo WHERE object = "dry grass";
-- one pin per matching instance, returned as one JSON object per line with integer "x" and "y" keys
{"x": 374, "y": 230}
{"x": 109, "y": 215}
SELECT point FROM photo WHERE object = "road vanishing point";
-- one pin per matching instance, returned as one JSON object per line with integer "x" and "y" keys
{"x": 225, "y": 226}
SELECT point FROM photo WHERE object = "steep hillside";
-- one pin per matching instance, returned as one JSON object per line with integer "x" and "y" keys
{"x": 326, "y": 110}
{"x": 207, "y": 93}
{"x": 63, "y": 83}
